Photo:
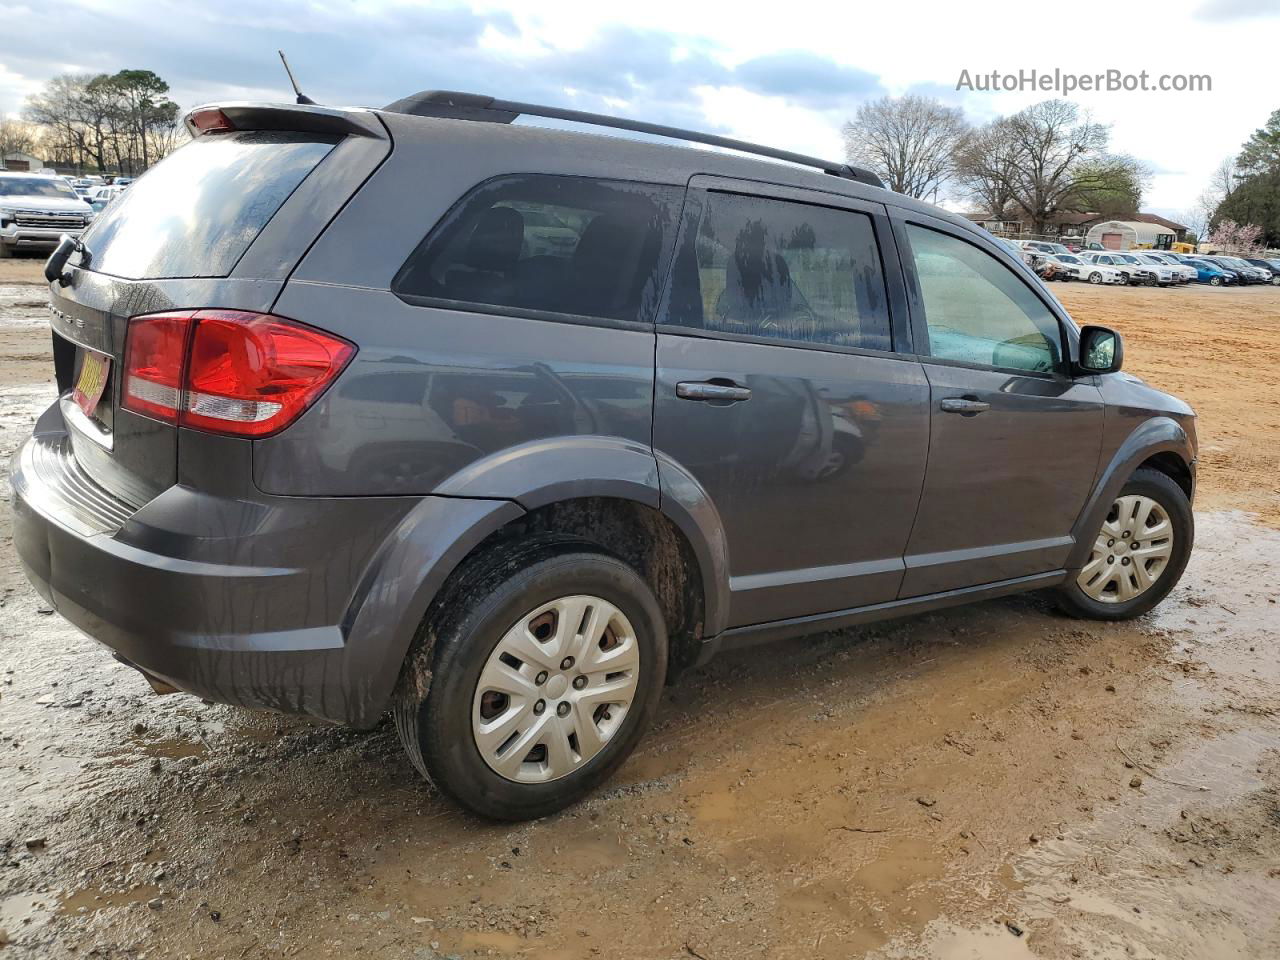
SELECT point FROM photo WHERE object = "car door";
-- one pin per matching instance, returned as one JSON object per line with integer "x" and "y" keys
{"x": 786, "y": 389}
{"x": 1014, "y": 439}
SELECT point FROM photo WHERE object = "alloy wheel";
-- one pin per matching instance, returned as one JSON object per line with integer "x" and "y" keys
{"x": 555, "y": 689}
{"x": 1131, "y": 551}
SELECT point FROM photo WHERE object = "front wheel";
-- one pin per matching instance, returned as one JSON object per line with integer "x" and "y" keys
{"x": 1215, "y": 281}
{"x": 1095, "y": 277}
{"x": 1138, "y": 554}
{"x": 545, "y": 673}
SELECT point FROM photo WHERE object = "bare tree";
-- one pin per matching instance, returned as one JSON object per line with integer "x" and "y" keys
{"x": 17, "y": 137}
{"x": 910, "y": 142}
{"x": 987, "y": 165}
{"x": 121, "y": 121}
{"x": 1045, "y": 159}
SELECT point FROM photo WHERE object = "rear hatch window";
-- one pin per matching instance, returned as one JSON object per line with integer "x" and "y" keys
{"x": 196, "y": 213}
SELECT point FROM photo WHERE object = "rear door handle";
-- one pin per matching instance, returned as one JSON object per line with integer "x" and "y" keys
{"x": 710, "y": 390}
{"x": 965, "y": 405}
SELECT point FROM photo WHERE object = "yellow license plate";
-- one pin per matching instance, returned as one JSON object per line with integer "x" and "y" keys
{"x": 92, "y": 381}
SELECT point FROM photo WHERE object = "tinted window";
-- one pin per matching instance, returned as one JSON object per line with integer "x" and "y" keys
{"x": 977, "y": 310}
{"x": 562, "y": 245}
{"x": 196, "y": 212}
{"x": 788, "y": 271}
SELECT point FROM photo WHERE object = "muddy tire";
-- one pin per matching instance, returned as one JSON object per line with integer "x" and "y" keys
{"x": 1139, "y": 553}
{"x": 521, "y": 711}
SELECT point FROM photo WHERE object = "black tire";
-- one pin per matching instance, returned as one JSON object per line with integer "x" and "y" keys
{"x": 435, "y": 728}
{"x": 5, "y": 252}
{"x": 1161, "y": 488}
{"x": 1215, "y": 281}
{"x": 1095, "y": 277}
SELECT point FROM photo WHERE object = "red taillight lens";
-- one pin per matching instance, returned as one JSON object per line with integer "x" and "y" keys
{"x": 240, "y": 373}
{"x": 155, "y": 352}
{"x": 251, "y": 374}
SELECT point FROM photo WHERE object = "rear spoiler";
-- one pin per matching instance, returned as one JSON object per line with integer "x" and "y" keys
{"x": 246, "y": 115}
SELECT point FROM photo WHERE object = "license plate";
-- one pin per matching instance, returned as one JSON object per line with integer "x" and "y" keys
{"x": 93, "y": 379}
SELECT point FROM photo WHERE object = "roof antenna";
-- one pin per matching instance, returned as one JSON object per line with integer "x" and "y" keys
{"x": 302, "y": 97}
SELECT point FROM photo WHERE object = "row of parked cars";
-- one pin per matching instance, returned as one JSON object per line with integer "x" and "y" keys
{"x": 1054, "y": 261}
{"x": 98, "y": 191}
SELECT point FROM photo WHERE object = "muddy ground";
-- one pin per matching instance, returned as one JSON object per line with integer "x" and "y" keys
{"x": 992, "y": 782}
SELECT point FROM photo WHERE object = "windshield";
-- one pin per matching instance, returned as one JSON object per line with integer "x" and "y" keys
{"x": 35, "y": 187}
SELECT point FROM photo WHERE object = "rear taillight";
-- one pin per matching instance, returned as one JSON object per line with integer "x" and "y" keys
{"x": 227, "y": 371}
{"x": 155, "y": 351}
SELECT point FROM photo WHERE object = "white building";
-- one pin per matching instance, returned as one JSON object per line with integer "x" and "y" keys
{"x": 21, "y": 162}
{"x": 1125, "y": 234}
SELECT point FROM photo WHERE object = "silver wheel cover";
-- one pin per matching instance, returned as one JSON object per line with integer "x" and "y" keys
{"x": 1131, "y": 552}
{"x": 555, "y": 689}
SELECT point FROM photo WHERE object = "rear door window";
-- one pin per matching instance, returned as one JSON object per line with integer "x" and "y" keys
{"x": 195, "y": 213}
{"x": 785, "y": 271}
{"x": 549, "y": 245}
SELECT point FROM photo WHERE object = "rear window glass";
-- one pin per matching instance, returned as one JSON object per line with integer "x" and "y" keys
{"x": 195, "y": 213}
{"x": 547, "y": 244}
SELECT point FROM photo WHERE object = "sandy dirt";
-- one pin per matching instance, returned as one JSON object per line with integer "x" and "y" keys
{"x": 990, "y": 783}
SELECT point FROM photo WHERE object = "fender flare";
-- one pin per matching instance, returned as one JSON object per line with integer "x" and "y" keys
{"x": 429, "y": 543}
{"x": 1156, "y": 435}
{"x": 542, "y": 472}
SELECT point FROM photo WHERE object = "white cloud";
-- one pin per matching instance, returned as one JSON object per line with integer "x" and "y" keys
{"x": 784, "y": 75}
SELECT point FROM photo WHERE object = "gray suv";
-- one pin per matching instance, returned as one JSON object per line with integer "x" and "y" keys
{"x": 499, "y": 427}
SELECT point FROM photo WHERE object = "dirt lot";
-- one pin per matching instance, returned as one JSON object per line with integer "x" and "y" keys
{"x": 994, "y": 782}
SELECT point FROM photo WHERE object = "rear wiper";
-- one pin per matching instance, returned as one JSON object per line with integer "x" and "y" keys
{"x": 68, "y": 245}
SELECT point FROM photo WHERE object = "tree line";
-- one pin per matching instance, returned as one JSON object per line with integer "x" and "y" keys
{"x": 1047, "y": 159}
{"x": 1242, "y": 202}
{"x": 1052, "y": 158}
{"x": 110, "y": 123}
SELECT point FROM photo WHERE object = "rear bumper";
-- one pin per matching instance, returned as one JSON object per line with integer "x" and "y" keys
{"x": 282, "y": 603}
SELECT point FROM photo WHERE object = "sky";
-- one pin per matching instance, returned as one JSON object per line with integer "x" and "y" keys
{"x": 784, "y": 74}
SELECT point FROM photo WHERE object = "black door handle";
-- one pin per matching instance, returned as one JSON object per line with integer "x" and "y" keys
{"x": 966, "y": 405}
{"x": 728, "y": 392}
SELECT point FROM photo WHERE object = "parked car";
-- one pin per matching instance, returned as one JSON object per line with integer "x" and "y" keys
{"x": 1044, "y": 246}
{"x": 356, "y": 450}
{"x": 1181, "y": 272}
{"x": 1132, "y": 272}
{"x": 1081, "y": 269}
{"x": 1152, "y": 272}
{"x": 1210, "y": 272}
{"x": 101, "y": 196}
{"x": 1246, "y": 271}
{"x": 36, "y": 210}
{"x": 1271, "y": 266}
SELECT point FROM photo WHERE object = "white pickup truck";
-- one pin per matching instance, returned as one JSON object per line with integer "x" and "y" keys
{"x": 35, "y": 211}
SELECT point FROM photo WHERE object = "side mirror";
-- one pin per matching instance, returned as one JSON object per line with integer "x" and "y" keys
{"x": 1101, "y": 350}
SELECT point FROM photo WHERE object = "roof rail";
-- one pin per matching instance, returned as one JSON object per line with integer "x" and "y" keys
{"x": 474, "y": 106}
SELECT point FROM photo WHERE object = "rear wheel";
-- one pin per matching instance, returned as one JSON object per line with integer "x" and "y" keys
{"x": 545, "y": 673}
{"x": 1138, "y": 553}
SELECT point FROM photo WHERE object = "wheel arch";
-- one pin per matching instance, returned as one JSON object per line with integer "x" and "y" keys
{"x": 601, "y": 490}
{"x": 1160, "y": 443}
